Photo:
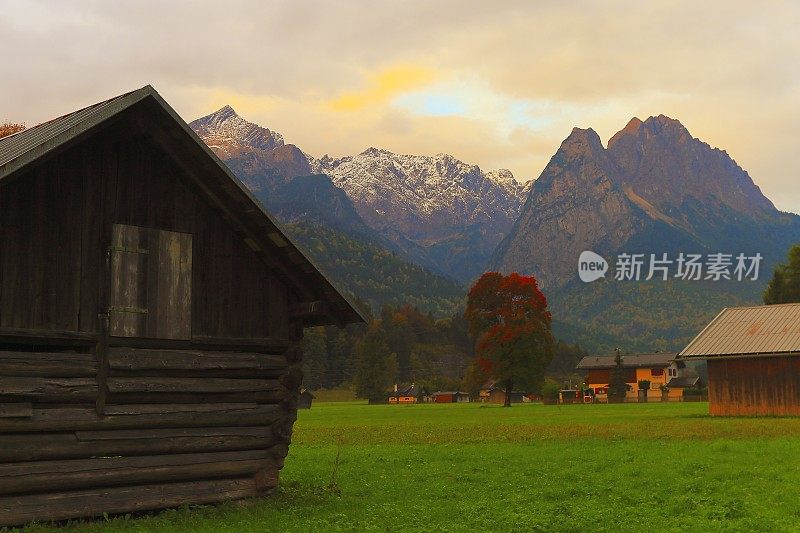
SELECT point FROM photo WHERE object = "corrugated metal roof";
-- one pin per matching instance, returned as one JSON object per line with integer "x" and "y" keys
{"x": 683, "y": 382}
{"x": 764, "y": 329}
{"x": 28, "y": 145}
{"x": 639, "y": 360}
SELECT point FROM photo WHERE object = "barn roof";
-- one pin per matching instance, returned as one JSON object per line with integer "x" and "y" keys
{"x": 263, "y": 233}
{"x": 749, "y": 332}
{"x": 683, "y": 382}
{"x": 639, "y": 360}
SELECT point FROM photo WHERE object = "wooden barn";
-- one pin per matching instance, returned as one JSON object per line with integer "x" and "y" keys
{"x": 449, "y": 397}
{"x": 753, "y": 357}
{"x": 151, "y": 314}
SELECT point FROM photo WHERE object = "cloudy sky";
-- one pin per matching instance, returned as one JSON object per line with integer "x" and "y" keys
{"x": 498, "y": 84}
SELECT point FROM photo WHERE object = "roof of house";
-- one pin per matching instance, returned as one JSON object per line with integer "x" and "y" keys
{"x": 442, "y": 393}
{"x": 749, "y": 332}
{"x": 639, "y": 360}
{"x": 408, "y": 390}
{"x": 20, "y": 150}
{"x": 683, "y": 382}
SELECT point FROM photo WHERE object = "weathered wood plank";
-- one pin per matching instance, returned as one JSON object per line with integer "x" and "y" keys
{"x": 16, "y": 410}
{"x": 764, "y": 386}
{"x": 84, "y": 444}
{"x": 170, "y": 268}
{"x": 18, "y": 510}
{"x": 57, "y": 365}
{"x": 266, "y": 344}
{"x": 258, "y": 345}
{"x": 194, "y": 360}
{"x": 128, "y": 308}
{"x": 191, "y": 385}
{"x": 143, "y": 416}
{"x": 48, "y": 476}
{"x": 171, "y": 433}
{"x": 262, "y": 397}
{"x": 46, "y": 337}
{"x": 50, "y": 389}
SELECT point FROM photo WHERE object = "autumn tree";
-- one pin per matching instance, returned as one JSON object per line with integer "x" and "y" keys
{"x": 784, "y": 287}
{"x": 508, "y": 317}
{"x": 474, "y": 380}
{"x": 376, "y": 366}
{"x": 8, "y": 128}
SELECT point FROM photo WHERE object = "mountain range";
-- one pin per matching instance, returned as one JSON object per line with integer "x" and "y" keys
{"x": 439, "y": 212}
{"x": 653, "y": 189}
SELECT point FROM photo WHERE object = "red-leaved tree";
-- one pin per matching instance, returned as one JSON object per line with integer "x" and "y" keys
{"x": 508, "y": 317}
{"x": 7, "y": 128}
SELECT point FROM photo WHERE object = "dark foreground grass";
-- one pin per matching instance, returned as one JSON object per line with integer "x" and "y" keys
{"x": 654, "y": 467}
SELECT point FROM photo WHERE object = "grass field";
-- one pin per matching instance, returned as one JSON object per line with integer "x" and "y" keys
{"x": 631, "y": 467}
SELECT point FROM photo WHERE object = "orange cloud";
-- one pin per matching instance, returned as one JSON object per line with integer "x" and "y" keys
{"x": 383, "y": 86}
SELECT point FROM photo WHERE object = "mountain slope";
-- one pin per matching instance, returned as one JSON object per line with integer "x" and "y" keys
{"x": 654, "y": 190}
{"x": 445, "y": 214}
{"x": 375, "y": 274}
{"x": 322, "y": 219}
{"x": 439, "y": 212}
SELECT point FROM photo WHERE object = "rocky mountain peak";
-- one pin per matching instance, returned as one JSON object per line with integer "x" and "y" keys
{"x": 223, "y": 114}
{"x": 228, "y": 134}
{"x": 632, "y": 130}
{"x": 447, "y": 214}
{"x": 666, "y": 127}
{"x": 661, "y": 162}
{"x": 655, "y": 182}
{"x": 372, "y": 151}
{"x": 581, "y": 142}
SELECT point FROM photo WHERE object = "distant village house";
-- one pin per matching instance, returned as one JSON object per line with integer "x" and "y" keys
{"x": 667, "y": 376}
{"x": 492, "y": 392}
{"x": 408, "y": 394}
{"x": 449, "y": 397}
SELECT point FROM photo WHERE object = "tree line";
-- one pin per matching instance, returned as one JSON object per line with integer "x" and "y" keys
{"x": 403, "y": 344}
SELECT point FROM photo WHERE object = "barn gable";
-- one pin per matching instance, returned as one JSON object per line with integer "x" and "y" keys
{"x": 319, "y": 301}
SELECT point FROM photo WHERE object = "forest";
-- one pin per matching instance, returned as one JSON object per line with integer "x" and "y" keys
{"x": 414, "y": 346}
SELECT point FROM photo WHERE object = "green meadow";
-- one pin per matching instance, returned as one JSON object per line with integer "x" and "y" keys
{"x": 467, "y": 467}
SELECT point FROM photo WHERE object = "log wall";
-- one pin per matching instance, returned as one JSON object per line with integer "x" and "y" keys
{"x": 764, "y": 386}
{"x": 92, "y": 423}
{"x": 178, "y": 426}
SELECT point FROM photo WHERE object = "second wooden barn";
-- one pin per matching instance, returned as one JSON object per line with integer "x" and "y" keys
{"x": 151, "y": 315}
{"x": 753, "y": 357}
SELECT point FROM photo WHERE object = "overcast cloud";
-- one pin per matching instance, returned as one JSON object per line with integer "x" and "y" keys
{"x": 499, "y": 84}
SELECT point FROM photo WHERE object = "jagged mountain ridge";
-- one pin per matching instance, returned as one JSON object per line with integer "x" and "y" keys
{"x": 443, "y": 214}
{"x": 446, "y": 214}
{"x": 655, "y": 188}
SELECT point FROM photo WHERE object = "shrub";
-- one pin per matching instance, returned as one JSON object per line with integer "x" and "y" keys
{"x": 550, "y": 390}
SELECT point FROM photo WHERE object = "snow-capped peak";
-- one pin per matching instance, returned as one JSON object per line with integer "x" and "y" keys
{"x": 227, "y": 133}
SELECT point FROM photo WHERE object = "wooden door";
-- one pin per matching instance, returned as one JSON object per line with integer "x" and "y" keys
{"x": 151, "y": 283}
